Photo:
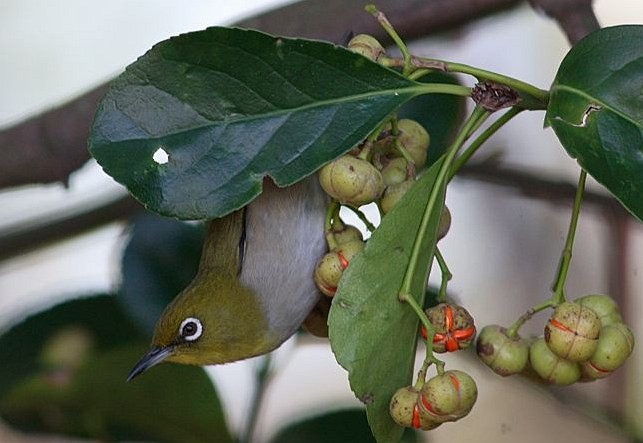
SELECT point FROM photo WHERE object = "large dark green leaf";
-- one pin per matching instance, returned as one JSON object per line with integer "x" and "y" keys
{"x": 372, "y": 333}
{"x": 230, "y": 106}
{"x": 596, "y": 110}
{"x": 160, "y": 259}
{"x": 346, "y": 426}
{"x": 63, "y": 371}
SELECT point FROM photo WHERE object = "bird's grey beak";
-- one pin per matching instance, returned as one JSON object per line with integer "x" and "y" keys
{"x": 152, "y": 358}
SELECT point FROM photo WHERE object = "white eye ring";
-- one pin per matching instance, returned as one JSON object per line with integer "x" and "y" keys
{"x": 191, "y": 323}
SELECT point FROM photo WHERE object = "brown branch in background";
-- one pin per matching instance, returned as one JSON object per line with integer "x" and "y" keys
{"x": 575, "y": 17}
{"x": 556, "y": 192}
{"x": 49, "y": 147}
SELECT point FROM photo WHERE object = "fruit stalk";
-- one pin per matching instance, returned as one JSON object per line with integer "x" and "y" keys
{"x": 566, "y": 255}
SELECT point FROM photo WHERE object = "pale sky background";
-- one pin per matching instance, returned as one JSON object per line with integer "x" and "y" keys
{"x": 51, "y": 51}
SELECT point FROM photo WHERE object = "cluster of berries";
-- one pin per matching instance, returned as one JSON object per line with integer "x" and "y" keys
{"x": 382, "y": 176}
{"x": 446, "y": 397}
{"x": 583, "y": 340}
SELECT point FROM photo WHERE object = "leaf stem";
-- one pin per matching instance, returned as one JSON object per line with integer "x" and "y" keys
{"x": 478, "y": 113}
{"x": 443, "y": 88}
{"x": 446, "y": 275}
{"x": 566, "y": 255}
{"x": 422, "y": 66}
{"x": 481, "y": 74}
{"x": 462, "y": 159}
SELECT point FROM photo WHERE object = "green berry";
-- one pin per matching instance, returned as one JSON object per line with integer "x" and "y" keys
{"x": 367, "y": 46}
{"x": 572, "y": 331}
{"x": 352, "y": 181}
{"x": 393, "y": 194}
{"x": 405, "y": 412}
{"x": 550, "y": 367}
{"x": 615, "y": 344}
{"x": 448, "y": 397}
{"x": 396, "y": 171}
{"x": 330, "y": 268}
{"x": 415, "y": 140}
{"x": 503, "y": 354}
{"x": 342, "y": 234}
{"x": 604, "y": 306}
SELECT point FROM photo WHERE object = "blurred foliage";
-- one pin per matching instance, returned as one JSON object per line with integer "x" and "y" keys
{"x": 64, "y": 372}
{"x": 160, "y": 259}
{"x": 345, "y": 426}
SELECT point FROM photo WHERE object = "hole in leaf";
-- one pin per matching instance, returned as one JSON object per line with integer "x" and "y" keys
{"x": 161, "y": 156}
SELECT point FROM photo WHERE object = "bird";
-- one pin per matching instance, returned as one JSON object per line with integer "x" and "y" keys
{"x": 254, "y": 286}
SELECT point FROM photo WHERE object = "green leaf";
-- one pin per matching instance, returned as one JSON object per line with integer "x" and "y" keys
{"x": 346, "y": 426}
{"x": 596, "y": 110}
{"x": 372, "y": 334}
{"x": 160, "y": 260}
{"x": 440, "y": 114}
{"x": 20, "y": 346}
{"x": 67, "y": 376}
{"x": 230, "y": 106}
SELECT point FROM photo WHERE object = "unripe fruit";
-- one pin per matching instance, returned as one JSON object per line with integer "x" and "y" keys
{"x": 504, "y": 355}
{"x": 448, "y": 397}
{"x": 572, "y": 331}
{"x": 394, "y": 194}
{"x": 330, "y": 268}
{"x": 415, "y": 140}
{"x": 405, "y": 412}
{"x": 603, "y": 305}
{"x": 550, "y": 367}
{"x": 316, "y": 323}
{"x": 396, "y": 171}
{"x": 615, "y": 344}
{"x": 445, "y": 223}
{"x": 351, "y": 180}
{"x": 367, "y": 46}
{"x": 345, "y": 233}
{"x": 454, "y": 327}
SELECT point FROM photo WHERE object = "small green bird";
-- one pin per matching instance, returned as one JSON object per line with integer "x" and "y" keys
{"x": 254, "y": 287}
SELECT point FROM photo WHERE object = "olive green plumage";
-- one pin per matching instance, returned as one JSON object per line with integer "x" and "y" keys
{"x": 254, "y": 286}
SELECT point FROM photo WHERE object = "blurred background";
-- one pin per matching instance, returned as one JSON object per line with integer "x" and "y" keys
{"x": 503, "y": 247}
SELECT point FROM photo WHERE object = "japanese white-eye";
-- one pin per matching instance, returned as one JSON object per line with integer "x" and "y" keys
{"x": 254, "y": 286}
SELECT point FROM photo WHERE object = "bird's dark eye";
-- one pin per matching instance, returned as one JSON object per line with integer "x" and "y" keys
{"x": 190, "y": 329}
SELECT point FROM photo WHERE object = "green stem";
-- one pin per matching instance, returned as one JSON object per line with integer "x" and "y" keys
{"x": 477, "y": 114}
{"x": 459, "y": 162}
{"x": 262, "y": 377}
{"x": 446, "y": 275}
{"x": 370, "y": 226}
{"x": 390, "y": 30}
{"x": 430, "y": 357}
{"x": 558, "y": 295}
{"x": 421, "y": 378}
{"x": 481, "y": 74}
{"x": 566, "y": 255}
{"x": 443, "y": 88}
{"x": 512, "y": 331}
{"x": 332, "y": 216}
{"x": 405, "y": 294}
